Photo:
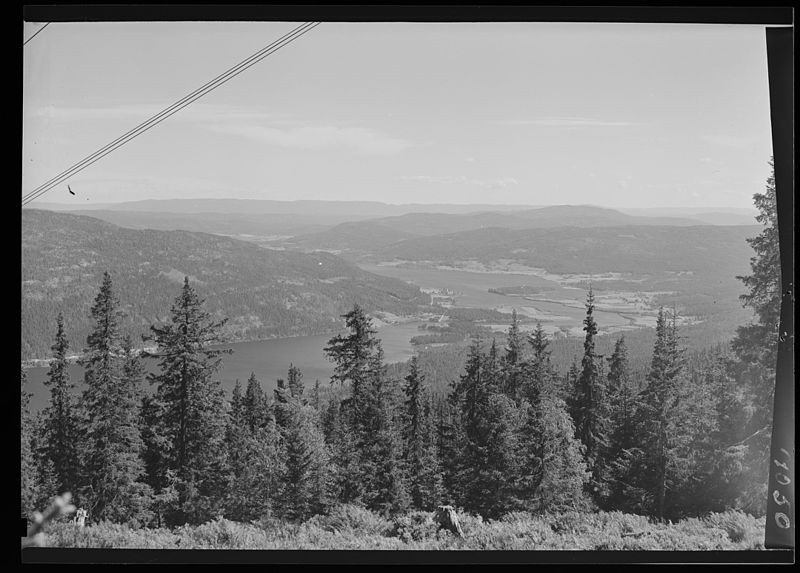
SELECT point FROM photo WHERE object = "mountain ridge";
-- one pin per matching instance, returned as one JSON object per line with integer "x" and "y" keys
{"x": 264, "y": 293}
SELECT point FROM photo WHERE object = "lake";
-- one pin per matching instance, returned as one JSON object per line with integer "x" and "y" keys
{"x": 269, "y": 359}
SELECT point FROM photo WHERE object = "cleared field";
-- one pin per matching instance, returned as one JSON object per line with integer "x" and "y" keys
{"x": 559, "y": 307}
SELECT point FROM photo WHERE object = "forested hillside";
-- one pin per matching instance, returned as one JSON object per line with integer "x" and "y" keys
{"x": 640, "y": 249}
{"x": 264, "y": 293}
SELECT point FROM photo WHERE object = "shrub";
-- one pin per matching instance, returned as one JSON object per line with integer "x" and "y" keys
{"x": 734, "y": 523}
{"x": 415, "y": 526}
{"x": 351, "y": 518}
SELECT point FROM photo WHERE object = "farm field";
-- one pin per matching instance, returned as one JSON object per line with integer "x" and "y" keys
{"x": 559, "y": 306}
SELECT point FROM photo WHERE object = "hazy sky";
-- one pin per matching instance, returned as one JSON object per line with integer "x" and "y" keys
{"x": 621, "y": 115}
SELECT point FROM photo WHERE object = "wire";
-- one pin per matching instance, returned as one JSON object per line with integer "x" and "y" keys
{"x": 36, "y": 32}
{"x": 183, "y": 102}
{"x": 172, "y": 109}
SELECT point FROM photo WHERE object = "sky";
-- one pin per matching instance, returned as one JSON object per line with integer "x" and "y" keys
{"x": 618, "y": 115}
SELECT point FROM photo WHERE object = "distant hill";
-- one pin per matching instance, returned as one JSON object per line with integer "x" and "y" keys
{"x": 352, "y": 209}
{"x": 636, "y": 249}
{"x": 349, "y": 237}
{"x": 721, "y": 218}
{"x": 264, "y": 293}
{"x": 233, "y": 224}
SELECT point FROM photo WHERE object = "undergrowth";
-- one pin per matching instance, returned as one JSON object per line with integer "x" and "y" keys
{"x": 351, "y": 527}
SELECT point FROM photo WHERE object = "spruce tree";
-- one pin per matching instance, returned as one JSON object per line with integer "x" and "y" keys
{"x": 237, "y": 502}
{"x": 589, "y": 408}
{"x": 551, "y": 473}
{"x": 490, "y": 420}
{"x": 61, "y": 434}
{"x": 756, "y": 345}
{"x": 255, "y": 404}
{"x": 193, "y": 425}
{"x": 513, "y": 357}
{"x": 307, "y": 480}
{"x": 381, "y": 442}
{"x": 424, "y": 473}
{"x": 28, "y": 496}
{"x": 114, "y": 470}
{"x": 661, "y": 461}
{"x": 622, "y": 403}
{"x": 367, "y": 446}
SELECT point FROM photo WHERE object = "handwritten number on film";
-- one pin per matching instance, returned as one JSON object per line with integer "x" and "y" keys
{"x": 781, "y": 519}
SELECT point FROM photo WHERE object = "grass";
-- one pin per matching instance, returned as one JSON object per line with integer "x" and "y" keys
{"x": 353, "y": 528}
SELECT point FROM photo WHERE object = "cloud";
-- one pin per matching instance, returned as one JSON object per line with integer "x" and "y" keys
{"x": 568, "y": 122}
{"x": 275, "y": 129}
{"x": 194, "y": 112}
{"x": 498, "y": 183}
{"x": 729, "y": 140}
{"x": 360, "y": 140}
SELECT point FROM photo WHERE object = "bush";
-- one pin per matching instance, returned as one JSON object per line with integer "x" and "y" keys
{"x": 415, "y": 526}
{"x": 355, "y": 528}
{"x": 351, "y": 518}
{"x": 223, "y": 534}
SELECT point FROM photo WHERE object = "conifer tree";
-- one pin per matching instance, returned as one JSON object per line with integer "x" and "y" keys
{"x": 192, "y": 425}
{"x": 255, "y": 404}
{"x": 381, "y": 442}
{"x": 306, "y": 488}
{"x": 622, "y": 403}
{"x": 114, "y": 470}
{"x": 756, "y": 345}
{"x": 367, "y": 446}
{"x": 552, "y": 472}
{"x": 28, "y": 497}
{"x": 661, "y": 461}
{"x": 425, "y": 478}
{"x": 46, "y": 485}
{"x": 490, "y": 420}
{"x": 589, "y": 408}
{"x": 294, "y": 380}
{"x": 60, "y": 439}
{"x": 238, "y": 498}
{"x": 513, "y": 357}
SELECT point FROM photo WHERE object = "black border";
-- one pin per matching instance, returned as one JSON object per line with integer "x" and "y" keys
{"x": 781, "y": 88}
{"x": 399, "y": 557}
{"x": 782, "y": 149}
{"x": 441, "y": 12}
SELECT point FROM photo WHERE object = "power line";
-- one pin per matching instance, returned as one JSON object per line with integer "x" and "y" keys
{"x": 34, "y": 34}
{"x": 172, "y": 109}
{"x": 175, "y": 107}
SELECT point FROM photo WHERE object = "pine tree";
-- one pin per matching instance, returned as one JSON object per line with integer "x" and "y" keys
{"x": 28, "y": 483}
{"x": 622, "y": 402}
{"x": 113, "y": 465}
{"x": 61, "y": 433}
{"x": 662, "y": 462}
{"x": 46, "y": 484}
{"x": 316, "y": 399}
{"x": 381, "y": 445}
{"x": 366, "y": 447}
{"x": 294, "y": 380}
{"x": 589, "y": 407}
{"x": 351, "y": 354}
{"x": 237, "y": 502}
{"x": 513, "y": 357}
{"x": 425, "y": 478}
{"x": 552, "y": 472}
{"x": 756, "y": 345}
{"x": 192, "y": 425}
{"x": 255, "y": 405}
{"x": 758, "y": 342}
{"x": 490, "y": 420}
{"x": 307, "y": 481}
